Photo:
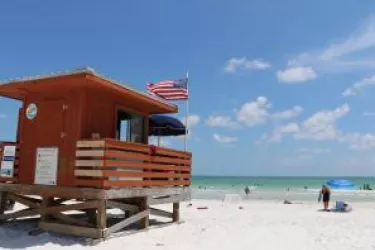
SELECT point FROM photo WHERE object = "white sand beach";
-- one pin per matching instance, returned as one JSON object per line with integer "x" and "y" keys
{"x": 258, "y": 225}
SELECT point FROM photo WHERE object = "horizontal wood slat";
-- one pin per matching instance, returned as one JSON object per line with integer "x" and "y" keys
{"x": 131, "y": 146}
{"x": 106, "y": 164}
{"x": 147, "y": 166}
{"x": 145, "y": 183}
{"x": 111, "y": 163}
{"x": 144, "y": 157}
{"x": 108, "y": 173}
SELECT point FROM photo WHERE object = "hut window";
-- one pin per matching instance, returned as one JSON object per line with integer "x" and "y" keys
{"x": 130, "y": 127}
{"x": 136, "y": 128}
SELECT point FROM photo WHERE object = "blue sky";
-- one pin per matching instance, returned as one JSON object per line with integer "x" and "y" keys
{"x": 277, "y": 87}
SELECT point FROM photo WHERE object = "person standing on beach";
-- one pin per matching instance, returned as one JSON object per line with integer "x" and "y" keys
{"x": 325, "y": 193}
{"x": 247, "y": 191}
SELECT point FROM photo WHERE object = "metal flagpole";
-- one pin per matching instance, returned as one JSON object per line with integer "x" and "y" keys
{"x": 187, "y": 111}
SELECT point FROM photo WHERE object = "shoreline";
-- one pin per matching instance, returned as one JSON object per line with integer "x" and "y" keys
{"x": 354, "y": 196}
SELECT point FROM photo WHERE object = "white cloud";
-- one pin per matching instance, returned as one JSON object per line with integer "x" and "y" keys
{"x": 346, "y": 54}
{"x": 289, "y": 128}
{"x": 359, "y": 86}
{"x": 236, "y": 63}
{"x": 296, "y": 74}
{"x": 278, "y": 133}
{"x": 221, "y": 121}
{"x": 359, "y": 141}
{"x": 322, "y": 124}
{"x": 362, "y": 39}
{"x": 313, "y": 150}
{"x": 192, "y": 121}
{"x": 255, "y": 112}
{"x": 288, "y": 113}
{"x": 348, "y": 92}
{"x": 224, "y": 139}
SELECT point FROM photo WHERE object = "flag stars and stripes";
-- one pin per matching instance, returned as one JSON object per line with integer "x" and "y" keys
{"x": 170, "y": 89}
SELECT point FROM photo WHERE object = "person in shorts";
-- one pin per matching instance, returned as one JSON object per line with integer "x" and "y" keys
{"x": 325, "y": 193}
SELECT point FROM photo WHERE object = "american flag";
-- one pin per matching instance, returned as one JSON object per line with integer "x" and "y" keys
{"x": 170, "y": 89}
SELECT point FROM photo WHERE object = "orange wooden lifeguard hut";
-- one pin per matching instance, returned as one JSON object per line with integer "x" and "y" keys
{"x": 82, "y": 136}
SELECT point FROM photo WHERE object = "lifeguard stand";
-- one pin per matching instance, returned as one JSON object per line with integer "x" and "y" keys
{"x": 84, "y": 137}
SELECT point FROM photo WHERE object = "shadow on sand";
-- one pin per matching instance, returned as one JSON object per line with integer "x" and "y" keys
{"x": 17, "y": 234}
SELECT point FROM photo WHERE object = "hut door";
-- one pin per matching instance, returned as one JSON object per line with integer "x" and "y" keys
{"x": 49, "y": 141}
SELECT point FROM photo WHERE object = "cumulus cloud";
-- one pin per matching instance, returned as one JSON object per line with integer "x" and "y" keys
{"x": 288, "y": 113}
{"x": 192, "y": 121}
{"x": 224, "y": 139}
{"x": 243, "y": 63}
{"x": 358, "y": 86}
{"x": 221, "y": 121}
{"x": 296, "y": 74}
{"x": 322, "y": 124}
{"x": 277, "y": 133}
{"x": 359, "y": 141}
{"x": 254, "y": 112}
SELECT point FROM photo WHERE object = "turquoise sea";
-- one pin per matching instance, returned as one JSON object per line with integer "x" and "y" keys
{"x": 296, "y": 189}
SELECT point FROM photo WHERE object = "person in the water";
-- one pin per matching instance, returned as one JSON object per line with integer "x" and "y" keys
{"x": 325, "y": 193}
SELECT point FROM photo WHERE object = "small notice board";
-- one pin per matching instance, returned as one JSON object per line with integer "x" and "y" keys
{"x": 7, "y": 163}
{"x": 9, "y": 153}
{"x": 46, "y": 165}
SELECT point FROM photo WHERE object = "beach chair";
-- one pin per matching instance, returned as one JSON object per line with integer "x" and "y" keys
{"x": 342, "y": 206}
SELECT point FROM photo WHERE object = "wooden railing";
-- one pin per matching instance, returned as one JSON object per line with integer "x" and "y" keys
{"x": 111, "y": 163}
{"x": 9, "y": 177}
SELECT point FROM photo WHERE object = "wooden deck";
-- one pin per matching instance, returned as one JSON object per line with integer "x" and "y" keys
{"x": 111, "y": 163}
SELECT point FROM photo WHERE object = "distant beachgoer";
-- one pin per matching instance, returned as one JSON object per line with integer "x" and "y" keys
{"x": 247, "y": 190}
{"x": 325, "y": 193}
{"x": 305, "y": 187}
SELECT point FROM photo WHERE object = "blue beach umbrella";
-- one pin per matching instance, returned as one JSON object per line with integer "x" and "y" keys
{"x": 163, "y": 125}
{"x": 340, "y": 184}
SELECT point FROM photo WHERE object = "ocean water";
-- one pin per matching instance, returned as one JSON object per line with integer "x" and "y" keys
{"x": 296, "y": 189}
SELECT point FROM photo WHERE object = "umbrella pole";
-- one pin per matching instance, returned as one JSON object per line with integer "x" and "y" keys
{"x": 158, "y": 141}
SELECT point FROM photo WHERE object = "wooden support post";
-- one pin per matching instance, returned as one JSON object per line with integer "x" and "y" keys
{"x": 144, "y": 207}
{"x": 91, "y": 215}
{"x": 46, "y": 202}
{"x": 101, "y": 215}
{"x": 3, "y": 202}
{"x": 176, "y": 212}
